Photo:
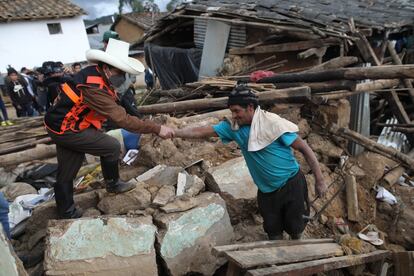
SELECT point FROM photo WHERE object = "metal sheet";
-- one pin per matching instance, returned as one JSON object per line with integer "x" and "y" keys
{"x": 214, "y": 48}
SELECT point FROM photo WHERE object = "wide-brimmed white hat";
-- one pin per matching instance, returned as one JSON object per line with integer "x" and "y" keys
{"x": 116, "y": 54}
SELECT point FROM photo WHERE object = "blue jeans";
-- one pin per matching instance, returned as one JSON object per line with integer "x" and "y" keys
{"x": 3, "y": 110}
{"x": 4, "y": 215}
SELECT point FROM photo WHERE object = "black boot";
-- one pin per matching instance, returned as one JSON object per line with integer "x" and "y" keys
{"x": 110, "y": 172}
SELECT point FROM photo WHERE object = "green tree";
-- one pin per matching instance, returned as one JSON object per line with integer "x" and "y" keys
{"x": 138, "y": 5}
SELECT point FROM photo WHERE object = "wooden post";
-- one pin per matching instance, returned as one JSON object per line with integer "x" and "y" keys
{"x": 39, "y": 152}
{"x": 352, "y": 198}
{"x": 404, "y": 263}
{"x": 334, "y": 63}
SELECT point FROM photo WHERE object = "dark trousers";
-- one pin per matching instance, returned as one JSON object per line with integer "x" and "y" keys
{"x": 25, "y": 110}
{"x": 3, "y": 110}
{"x": 283, "y": 209}
{"x": 71, "y": 148}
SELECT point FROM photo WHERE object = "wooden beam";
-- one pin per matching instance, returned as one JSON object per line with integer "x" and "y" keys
{"x": 286, "y": 47}
{"x": 396, "y": 59}
{"x": 318, "y": 266}
{"x": 397, "y": 107}
{"x": 220, "y": 250}
{"x": 41, "y": 151}
{"x": 391, "y": 153}
{"x": 318, "y": 52}
{"x": 352, "y": 198}
{"x": 334, "y": 63}
{"x": 317, "y": 87}
{"x": 354, "y": 73}
{"x": 394, "y": 175}
{"x": 366, "y": 50}
{"x": 283, "y": 254}
{"x": 297, "y": 94}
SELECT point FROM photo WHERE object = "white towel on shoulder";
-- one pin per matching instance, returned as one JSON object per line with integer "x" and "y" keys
{"x": 266, "y": 127}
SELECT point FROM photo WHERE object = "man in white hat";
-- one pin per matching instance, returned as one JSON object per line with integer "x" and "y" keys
{"x": 75, "y": 120}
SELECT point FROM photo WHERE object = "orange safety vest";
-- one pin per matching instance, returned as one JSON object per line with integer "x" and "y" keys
{"x": 80, "y": 116}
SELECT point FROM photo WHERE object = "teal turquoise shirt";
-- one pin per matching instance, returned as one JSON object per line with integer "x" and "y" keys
{"x": 270, "y": 167}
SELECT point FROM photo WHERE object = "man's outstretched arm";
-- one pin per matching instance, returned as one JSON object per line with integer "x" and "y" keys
{"x": 310, "y": 157}
{"x": 195, "y": 132}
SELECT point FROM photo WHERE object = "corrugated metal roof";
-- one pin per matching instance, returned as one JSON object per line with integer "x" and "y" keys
{"x": 237, "y": 36}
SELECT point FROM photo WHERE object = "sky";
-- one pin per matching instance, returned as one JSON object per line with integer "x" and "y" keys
{"x": 98, "y": 8}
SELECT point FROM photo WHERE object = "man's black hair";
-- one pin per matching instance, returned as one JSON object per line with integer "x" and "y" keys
{"x": 76, "y": 64}
{"x": 242, "y": 95}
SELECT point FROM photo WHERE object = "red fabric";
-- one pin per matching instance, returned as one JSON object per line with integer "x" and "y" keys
{"x": 258, "y": 75}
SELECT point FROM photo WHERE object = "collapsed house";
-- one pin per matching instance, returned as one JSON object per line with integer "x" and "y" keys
{"x": 196, "y": 195}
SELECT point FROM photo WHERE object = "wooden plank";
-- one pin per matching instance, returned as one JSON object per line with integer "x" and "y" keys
{"x": 283, "y": 254}
{"x": 404, "y": 263}
{"x": 233, "y": 269}
{"x": 286, "y": 47}
{"x": 219, "y": 250}
{"x": 313, "y": 267}
{"x": 352, "y": 198}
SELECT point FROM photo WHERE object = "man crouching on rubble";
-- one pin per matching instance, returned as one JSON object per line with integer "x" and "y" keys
{"x": 75, "y": 120}
{"x": 265, "y": 140}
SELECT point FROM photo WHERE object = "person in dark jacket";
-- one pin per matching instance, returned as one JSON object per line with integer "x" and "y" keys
{"x": 19, "y": 95}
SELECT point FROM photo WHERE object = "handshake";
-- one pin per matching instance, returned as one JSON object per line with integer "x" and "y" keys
{"x": 166, "y": 132}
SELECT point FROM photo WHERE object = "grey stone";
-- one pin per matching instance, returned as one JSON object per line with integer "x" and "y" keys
{"x": 10, "y": 264}
{"x": 180, "y": 204}
{"x": 165, "y": 194}
{"x": 16, "y": 189}
{"x": 101, "y": 246}
{"x": 139, "y": 198}
{"x": 160, "y": 175}
{"x": 205, "y": 226}
{"x": 91, "y": 212}
{"x": 188, "y": 184}
{"x": 235, "y": 185}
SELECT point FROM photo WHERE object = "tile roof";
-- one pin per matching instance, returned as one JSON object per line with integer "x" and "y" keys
{"x": 143, "y": 20}
{"x": 13, "y": 10}
{"x": 377, "y": 14}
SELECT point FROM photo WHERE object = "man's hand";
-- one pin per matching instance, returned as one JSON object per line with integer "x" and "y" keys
{"x": 320, "y": 188}
{"x": 166, "y": 132}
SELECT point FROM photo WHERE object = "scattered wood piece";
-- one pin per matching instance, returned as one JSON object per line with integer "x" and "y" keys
{"x": 366, "y": 50}
{"x": 26, "y": 145}
{"x": 397, "y": 107}
{"x": 220, "y": 250}
{"x": 352, "y": 198}
{"x": 246, "y": 259}
{"x": 391, "y": 153}
{"x": 318, "y": 52}
{"x": 318, "y": 266}
{"x": 394, "y": 175}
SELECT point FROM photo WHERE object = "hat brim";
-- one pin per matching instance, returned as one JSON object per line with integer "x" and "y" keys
{"x": 132, "y": 66}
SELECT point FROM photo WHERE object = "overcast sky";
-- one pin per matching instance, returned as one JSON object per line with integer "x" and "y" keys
{"x": 98, "y": 8}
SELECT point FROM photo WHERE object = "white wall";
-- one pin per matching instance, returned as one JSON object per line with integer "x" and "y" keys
{"x": 29, "y": 44}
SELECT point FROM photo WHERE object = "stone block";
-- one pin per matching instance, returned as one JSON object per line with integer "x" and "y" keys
{"x": 165, "y": 194}
{"x": 101, "y": 246}
{"x": 10, "y": 264}
{"x": 186, "y": 238}
{"x": 335, "y": 112}
{"x": 188, "y": 184}
{"x": 160, "y": 175}
{"x": 232, "y": 180}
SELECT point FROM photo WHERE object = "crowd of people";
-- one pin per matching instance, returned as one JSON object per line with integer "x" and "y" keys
{"x": 32, "y": 92}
